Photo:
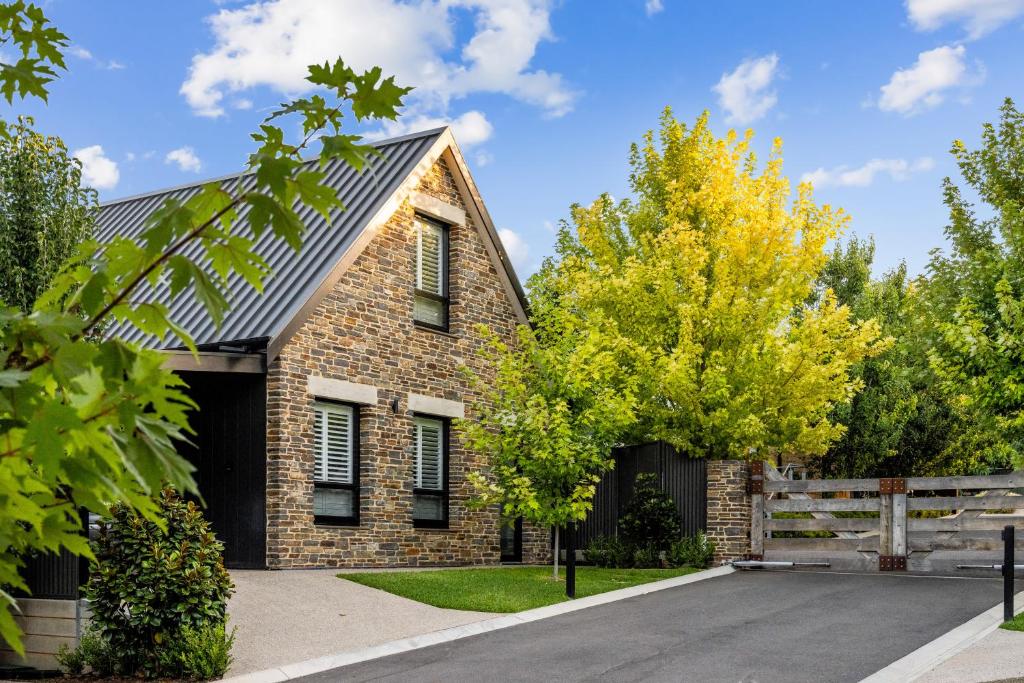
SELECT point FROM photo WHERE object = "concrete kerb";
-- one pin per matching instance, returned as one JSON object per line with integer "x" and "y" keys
{"x": 312, "y": 666}
{"x": 930, "y": 655}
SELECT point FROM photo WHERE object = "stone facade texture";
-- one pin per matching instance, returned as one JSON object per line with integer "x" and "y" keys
{"x": 363, "y": 332}
{"x": 728, "y": 521}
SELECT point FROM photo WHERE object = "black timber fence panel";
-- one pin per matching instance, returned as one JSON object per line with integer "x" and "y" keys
{"x": 54, "y": 576}
{"x": 683, "y": 478}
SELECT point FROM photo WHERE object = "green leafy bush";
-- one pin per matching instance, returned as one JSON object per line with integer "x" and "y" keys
{"x": 72, "y": 661}
{"x": 202, "y": 653}
{"x": 609, "y": 551}
{"x": 692, "y": 551}
{"x": 646, "y": 556}
{"x": 93, "y": 653}
{"x": 651, "y": 518}
{"x": 152, "y": 590}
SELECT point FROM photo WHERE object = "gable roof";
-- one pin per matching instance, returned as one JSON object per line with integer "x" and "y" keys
{"x": 300, "y": 279}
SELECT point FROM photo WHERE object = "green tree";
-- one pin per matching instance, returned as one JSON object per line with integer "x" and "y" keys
{"x": 900, "y": 423}
{"x": 974, "y": 291}
{"x": 548, "y": 421}
{"x": 703, "y": 279}
{"x": 45, "y": 213}
{"x": 87, "y": 422}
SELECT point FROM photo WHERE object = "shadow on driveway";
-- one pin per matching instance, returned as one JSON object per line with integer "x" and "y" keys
{"x": 748, "y": 626}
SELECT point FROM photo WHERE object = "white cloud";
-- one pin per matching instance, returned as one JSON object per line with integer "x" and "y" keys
{"x": 483, "y": 158}
{"x": 470, "y": 129}
{"x": 924, "y": 84}
{"x": 978, "y": 17}
{"x": 652, "y": 7}
{"x": 242, "y": 103}
{"x": 80, "y": 52}
{"x": 85, "y": 55}
{"x": 516, "y": 248}
{"x": 271, "y": 44}
{"x": 863, "y": 176}
{"x": 744, "y": 93}
{"x": 185, "y": 158}
{"x": 98, "y": 171}
{"x": 129, "y": 156}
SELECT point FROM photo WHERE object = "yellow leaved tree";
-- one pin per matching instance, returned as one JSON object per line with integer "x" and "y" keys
{"x": 703, "y": 284}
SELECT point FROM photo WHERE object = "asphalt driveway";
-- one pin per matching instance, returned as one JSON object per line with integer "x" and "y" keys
{"x": 747, "y": 626}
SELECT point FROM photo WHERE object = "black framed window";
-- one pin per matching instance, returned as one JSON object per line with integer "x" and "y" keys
{"x": 430, "y": 493}
{"x": 430, "y": 308}
{"x": 335, "y": 463}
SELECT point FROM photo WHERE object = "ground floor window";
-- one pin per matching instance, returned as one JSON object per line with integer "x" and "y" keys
{"x": 335, "y": 463}
{"x": 430, "y": 493}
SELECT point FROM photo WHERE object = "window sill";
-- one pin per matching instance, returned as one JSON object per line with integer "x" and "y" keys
{"x": 430, "y": 525}
{"x": 426, "y": 327}
{"x": 335, "y": 523}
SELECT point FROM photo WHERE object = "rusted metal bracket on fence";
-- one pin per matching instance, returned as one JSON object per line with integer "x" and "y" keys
{"x": 756, "y": 482}
{"x": 890, "y": 485}
{"x": 892, "y": 563}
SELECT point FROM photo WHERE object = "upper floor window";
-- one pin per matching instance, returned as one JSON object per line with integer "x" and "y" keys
{"x": 431, "y": 306}
{"x": 335, "y": 463}
{"x": 430, "y": 493}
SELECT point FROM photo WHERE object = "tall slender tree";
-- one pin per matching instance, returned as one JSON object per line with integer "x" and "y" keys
{"x": 976, "y": 288}
{"x": 45, "y": 212}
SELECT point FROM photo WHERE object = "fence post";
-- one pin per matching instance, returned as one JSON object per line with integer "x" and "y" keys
{"x": 1008, "y": 572}
{"x": 892, "y": 524}
{"x": 884, "y": 527}
{"x": 899, "y": 525}
{"x": 756, "y": 488}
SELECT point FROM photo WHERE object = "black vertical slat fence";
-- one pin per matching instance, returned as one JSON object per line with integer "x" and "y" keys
{"x": 53, "y": 576}
{"x": 685, "y": 479}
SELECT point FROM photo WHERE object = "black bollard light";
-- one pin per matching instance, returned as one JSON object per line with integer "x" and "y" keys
{"x": 570, "y": 561}
{"x": 1008, "y": 572}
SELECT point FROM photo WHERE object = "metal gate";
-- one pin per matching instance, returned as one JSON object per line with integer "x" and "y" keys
{"x": 922, "y": 524}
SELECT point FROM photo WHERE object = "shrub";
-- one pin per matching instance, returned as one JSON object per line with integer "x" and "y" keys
{"x": 646, "y": 556}
{"x": 609, "y": 551}
{"x": 149, "y": 586}
{"x": 651, "y": 518}
{"x": 201, "y": 653}
{"x": 92, "y": 653}
{"x": 71, "y": 661}
{"x": 692, "y": 551}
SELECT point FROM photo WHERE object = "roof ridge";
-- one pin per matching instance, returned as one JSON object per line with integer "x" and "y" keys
{"x": 238, "y": 174}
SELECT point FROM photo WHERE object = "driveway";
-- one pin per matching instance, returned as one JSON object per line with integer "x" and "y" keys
{"x": 747, "y": 626}
{"x": 289, "y": 616}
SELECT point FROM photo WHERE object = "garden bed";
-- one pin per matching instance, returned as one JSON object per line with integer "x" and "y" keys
{"x": 505, "y": 589}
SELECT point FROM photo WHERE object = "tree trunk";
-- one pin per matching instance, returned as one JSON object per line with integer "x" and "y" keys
{"x": 555, "y": 575}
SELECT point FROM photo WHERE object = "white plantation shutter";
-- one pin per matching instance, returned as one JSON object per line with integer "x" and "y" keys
{"x": 429, "y": 454}
{"x": 429, "y": 258}
{"x": 332, "y": 444}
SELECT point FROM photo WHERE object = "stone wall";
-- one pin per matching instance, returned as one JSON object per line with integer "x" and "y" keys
{"x": 729, "y": 509}
{"x": 363, "y": 332}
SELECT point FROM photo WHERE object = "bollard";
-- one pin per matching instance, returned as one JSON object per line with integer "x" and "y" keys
{"x": 1008, "y": 572}
{"x": 570, "y": 561}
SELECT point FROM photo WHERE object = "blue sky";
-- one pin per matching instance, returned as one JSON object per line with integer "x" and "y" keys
{"x": 545, "y": 97}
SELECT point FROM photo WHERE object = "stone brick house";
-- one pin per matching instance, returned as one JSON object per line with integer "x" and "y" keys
{"x": 325, "y": 433}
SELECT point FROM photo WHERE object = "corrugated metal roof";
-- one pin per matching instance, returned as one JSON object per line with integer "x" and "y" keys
{"x": 295, "y": 275}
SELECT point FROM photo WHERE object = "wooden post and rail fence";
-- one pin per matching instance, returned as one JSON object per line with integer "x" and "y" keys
{"x": 926, "y": 524}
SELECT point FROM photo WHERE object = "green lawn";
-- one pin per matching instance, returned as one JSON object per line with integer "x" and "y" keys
{"x": 1017, "y": 624}
{"x": 504, "y": 589}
